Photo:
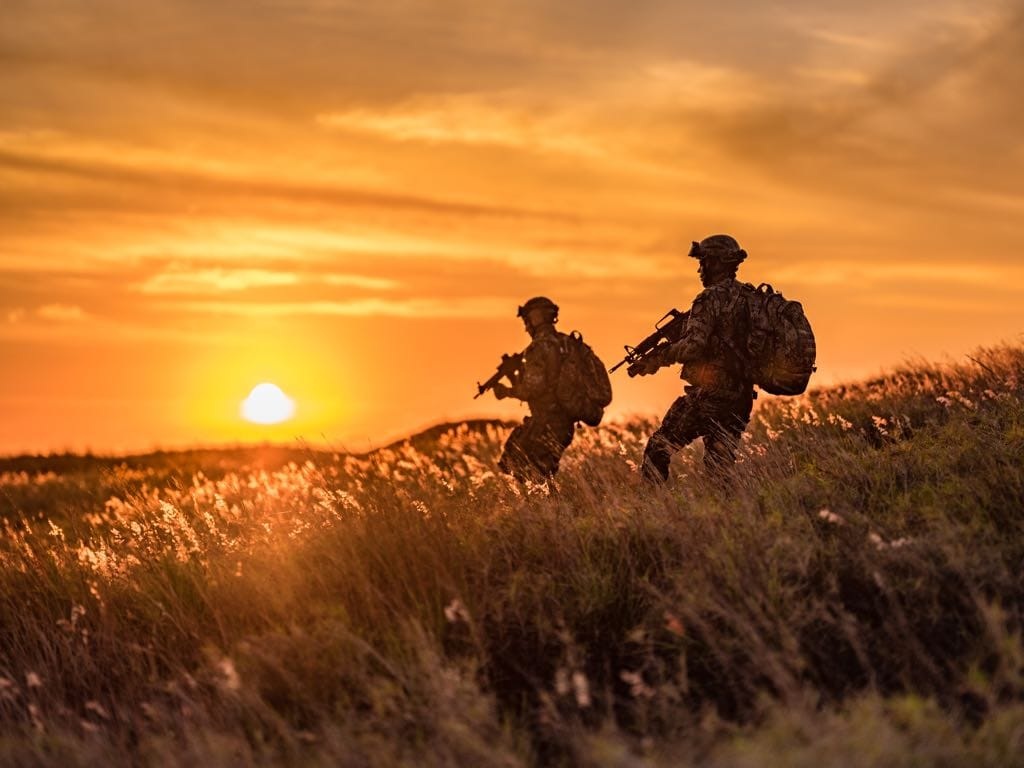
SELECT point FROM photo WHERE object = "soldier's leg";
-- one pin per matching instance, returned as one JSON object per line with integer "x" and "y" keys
{"x": 514, "y": 459}
{"x": 728, "y": 418}
{"x": 720, "y": 449}
{"x": 680, "y": 426}
{"x": 545, "y": 443}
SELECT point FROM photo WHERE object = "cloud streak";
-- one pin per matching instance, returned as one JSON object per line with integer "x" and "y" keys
{"x": 413, "y": 308}
{"x": 61, "y": 313}
{"x": 191, "y": 183}
{"x": 215, "y": 281}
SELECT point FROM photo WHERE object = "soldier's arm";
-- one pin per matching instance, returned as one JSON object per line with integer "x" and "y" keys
{"x": 540, "y": 364}
{"x": 695, "y": 338}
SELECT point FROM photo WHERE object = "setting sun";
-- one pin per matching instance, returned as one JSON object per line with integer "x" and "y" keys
{"x": 267, "y": 404}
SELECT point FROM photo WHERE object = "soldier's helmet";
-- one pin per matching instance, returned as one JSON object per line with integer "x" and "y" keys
{"x": 539, "y": 302}
{"x": 720, "y": 249}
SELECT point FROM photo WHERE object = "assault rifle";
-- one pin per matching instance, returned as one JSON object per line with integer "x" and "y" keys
{"x": 667, "y": 331}
{"x": 510, "y": 366}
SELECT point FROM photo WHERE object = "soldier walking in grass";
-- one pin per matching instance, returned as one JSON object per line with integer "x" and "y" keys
{"x": 560, "y": 379}
{"x": 733, "y": 337}
{"x": 720, "y": 393}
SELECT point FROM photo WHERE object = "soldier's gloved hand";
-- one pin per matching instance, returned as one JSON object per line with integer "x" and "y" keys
{"x": 501, "y": 391}
{"x": 644, "y": 367}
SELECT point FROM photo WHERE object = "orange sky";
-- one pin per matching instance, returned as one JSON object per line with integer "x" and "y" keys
{"x": 350, "y": 199}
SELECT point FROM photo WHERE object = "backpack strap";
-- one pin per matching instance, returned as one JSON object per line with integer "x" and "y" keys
{"x": 740, "y": 359}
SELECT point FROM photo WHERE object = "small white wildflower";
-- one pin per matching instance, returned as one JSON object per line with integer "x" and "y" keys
{"x": 97, "y": 709}
{"x": 846, "y": 425}
{"x": 960, "y": 398}
{"x": 456, "y": 612}
{"x": 674, "y": 624}
{"x": 581, "y": 689}
{"x": 638, "y": 689}
{"x": 480, "y": 478}
{"x": 169, "y": 511}
{"x": 8, "y": 688}
{"x": 881, "y": 543}
{"x": 831, "y": 517}
{"x": 348, "y": 501}
{"x": 541, "y": 488}
{"x": 561, "y": 681}
{"x": 894, "y": 544}
{"x": 229, "y": 674}
{"x": 35, "y": 716}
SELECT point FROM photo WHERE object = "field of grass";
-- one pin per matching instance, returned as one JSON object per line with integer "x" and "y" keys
{"x": 855, "y": 597}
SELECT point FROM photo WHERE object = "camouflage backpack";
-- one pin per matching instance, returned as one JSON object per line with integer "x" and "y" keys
{"x": 781, "y": 344}
{"x": 584, "y": 389}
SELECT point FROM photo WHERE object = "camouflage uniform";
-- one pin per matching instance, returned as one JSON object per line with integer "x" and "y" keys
{"x": 534, "y": 449}
{"x": 720, "y": 394}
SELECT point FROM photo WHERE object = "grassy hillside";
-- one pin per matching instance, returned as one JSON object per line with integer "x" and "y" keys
{"x": 855, "y": 598}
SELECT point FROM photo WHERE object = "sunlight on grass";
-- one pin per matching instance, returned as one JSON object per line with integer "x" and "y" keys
{"x": 859, "y": 584}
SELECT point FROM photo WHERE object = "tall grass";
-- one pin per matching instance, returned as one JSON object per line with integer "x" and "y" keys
{"x": 855, "y": 591}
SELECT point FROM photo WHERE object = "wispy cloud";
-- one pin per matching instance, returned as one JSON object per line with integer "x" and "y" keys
{"x": 503, "y": 120}
{"x": 191, "y": 281}
{"x": 165, "y": 183}
{"x": 479, "y": 307}
{"x": 958, "y": 304}
{"x": 360, "y": 281}
{"x": 865, "y": 275}
{"x": 215, "y": 281}
{"x": 61, "y": 313}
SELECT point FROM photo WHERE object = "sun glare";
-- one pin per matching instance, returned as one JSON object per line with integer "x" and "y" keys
{"x": 267, "y": 404}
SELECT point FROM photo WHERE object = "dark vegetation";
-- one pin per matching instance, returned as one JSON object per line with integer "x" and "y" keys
{"x": 854, "y": 598}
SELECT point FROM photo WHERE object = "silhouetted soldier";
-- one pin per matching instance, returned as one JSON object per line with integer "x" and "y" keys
{"x": 534, "y": 448}
{"x": 720, "y": 394}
